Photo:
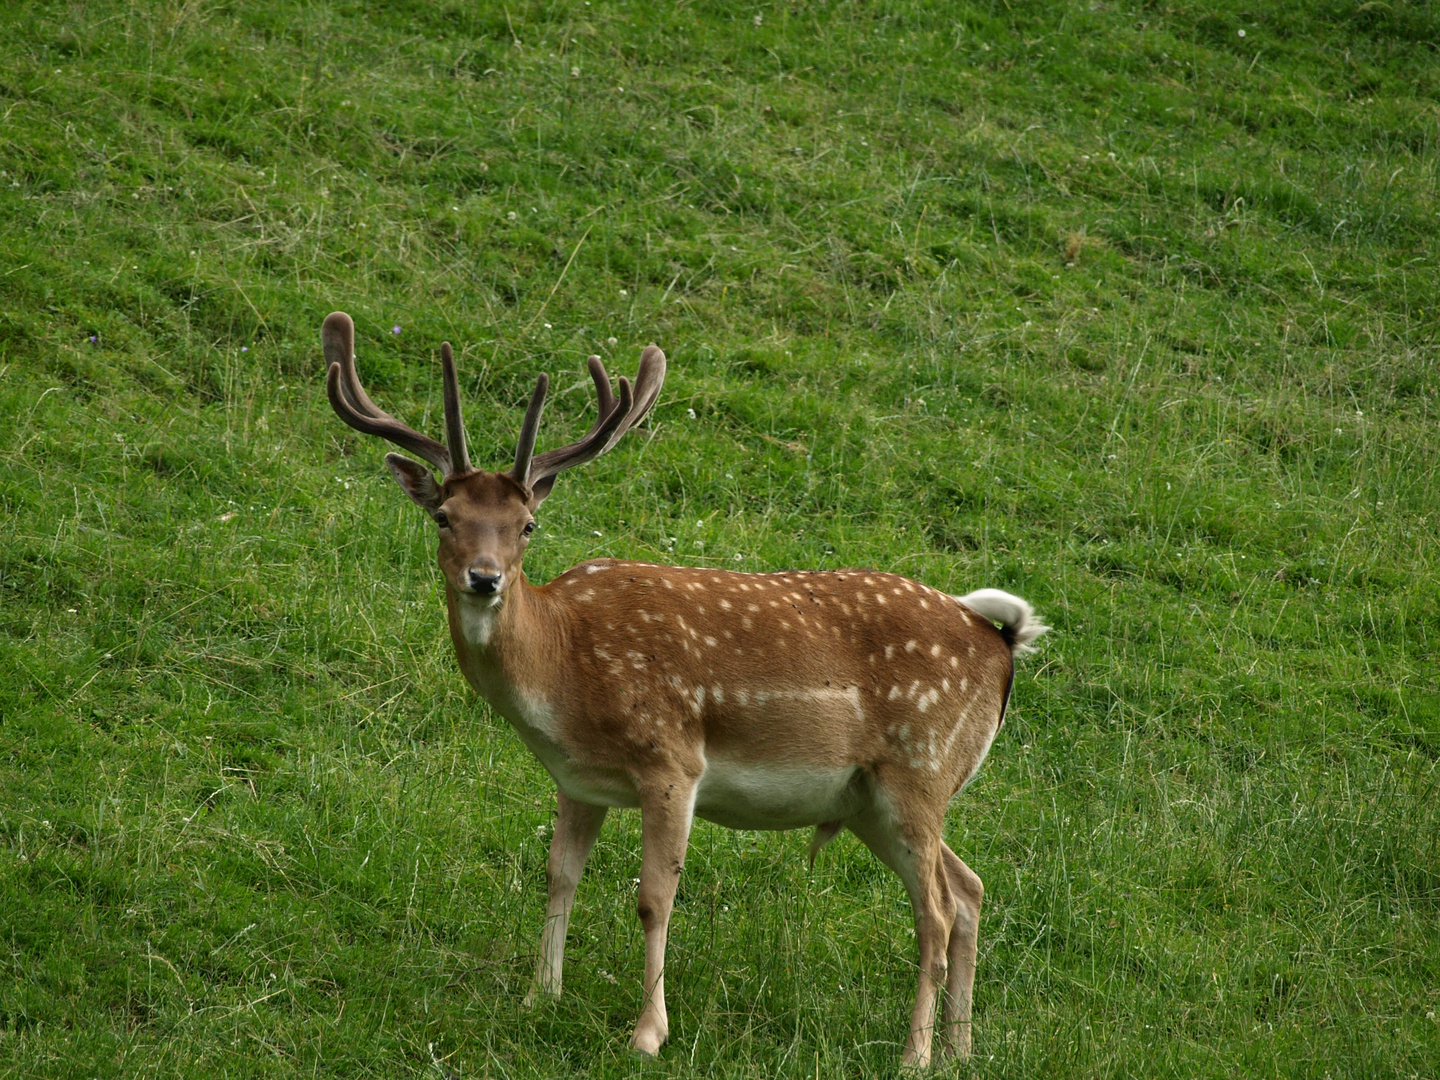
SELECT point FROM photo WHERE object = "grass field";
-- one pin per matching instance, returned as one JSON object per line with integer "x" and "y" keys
{"x": 1131, "y": 309}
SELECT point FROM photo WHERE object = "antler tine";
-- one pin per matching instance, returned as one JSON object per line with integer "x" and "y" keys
{"x": 454, "y": 419}
{"x": 603, "y": 392}
{"x": 648, "y": 380}
{"x": 545, "y": 467}
{"x": 525, "y": 448}
{"x": 616, "y": 416}
{"x": 353, "y": 405}
{"x": 337, "y": 338}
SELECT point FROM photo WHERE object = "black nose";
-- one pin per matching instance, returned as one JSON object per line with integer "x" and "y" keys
{"x": 484, "y": 584}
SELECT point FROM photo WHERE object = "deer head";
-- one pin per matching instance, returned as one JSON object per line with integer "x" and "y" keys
{"x": 484, "y": 518}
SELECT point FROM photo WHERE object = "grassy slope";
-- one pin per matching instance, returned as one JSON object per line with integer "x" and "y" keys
{"x": 254, "y": 824}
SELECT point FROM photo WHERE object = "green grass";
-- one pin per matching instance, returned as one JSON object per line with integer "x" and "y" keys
{"x": 1101, "y": 303}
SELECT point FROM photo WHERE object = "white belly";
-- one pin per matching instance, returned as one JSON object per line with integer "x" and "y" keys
{"x": 754, "y": 795}
{"x": 738, "y": 795}
{"x": 592, "y": 784}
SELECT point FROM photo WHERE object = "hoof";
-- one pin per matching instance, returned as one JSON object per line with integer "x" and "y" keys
{"x": 958, "y": 1054}
{"x": 646, "y": 1044}
{"x": 955, "y": 1046}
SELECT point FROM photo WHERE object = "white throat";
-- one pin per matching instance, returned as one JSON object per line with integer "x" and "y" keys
{"x": 478, "y": 615}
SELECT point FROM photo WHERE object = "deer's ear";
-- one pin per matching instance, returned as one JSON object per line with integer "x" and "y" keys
{"x": 415, "y": 480}
{"x": 541, "y": 488}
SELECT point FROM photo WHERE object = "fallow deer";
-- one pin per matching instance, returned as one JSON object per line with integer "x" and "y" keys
{"x": 841, "y": 700}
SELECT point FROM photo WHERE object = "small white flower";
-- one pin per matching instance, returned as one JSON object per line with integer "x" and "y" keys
{"x": 511, "y": 216}
{"x": 574, "y": 72}
{"x": 1242, "y": 33}
{"x": 548, "y": 326}
{"x": 691, "y": 414}
{"x": 738, "y": 557}
{"x": 759, "y": 19}
{"x": 597, "y": 532}
{"x": 624, "y": 292}
{"x": 612, "y": 341}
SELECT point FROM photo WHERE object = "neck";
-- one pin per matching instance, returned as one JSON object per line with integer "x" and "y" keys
{"x": 501, "y": 642}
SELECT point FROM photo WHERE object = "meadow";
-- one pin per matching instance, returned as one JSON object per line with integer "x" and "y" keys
{"x": 1130, "y": 308}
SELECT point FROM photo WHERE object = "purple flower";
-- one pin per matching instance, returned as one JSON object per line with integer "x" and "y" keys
{"x": 93, "y": 339}
{"x": 395, "y": 329}
{"x": 244, "y": 348}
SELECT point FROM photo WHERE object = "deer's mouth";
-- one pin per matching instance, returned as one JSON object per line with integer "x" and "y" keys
{"x": 481, "y": 598}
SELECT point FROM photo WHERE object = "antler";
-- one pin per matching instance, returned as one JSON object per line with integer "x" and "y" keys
{"x": 353, "y": 405}
{"x": 616, "y": 417}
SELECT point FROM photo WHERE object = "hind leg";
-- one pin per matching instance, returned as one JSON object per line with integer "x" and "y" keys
{"x": 912, "y": 848}
{"x": 968, "y": 891}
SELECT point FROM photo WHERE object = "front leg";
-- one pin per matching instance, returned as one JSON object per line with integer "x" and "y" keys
{"x": 667, "y": 806}
{"x": 576, "y": 827}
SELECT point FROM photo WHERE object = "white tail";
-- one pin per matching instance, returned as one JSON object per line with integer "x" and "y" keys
{"x": 1016, "y": 617}
{"x": 848, "y": 700}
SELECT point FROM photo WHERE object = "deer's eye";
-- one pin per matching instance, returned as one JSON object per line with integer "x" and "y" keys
{"x": 529, "y": 528}
{"x": 442, "y": 519}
